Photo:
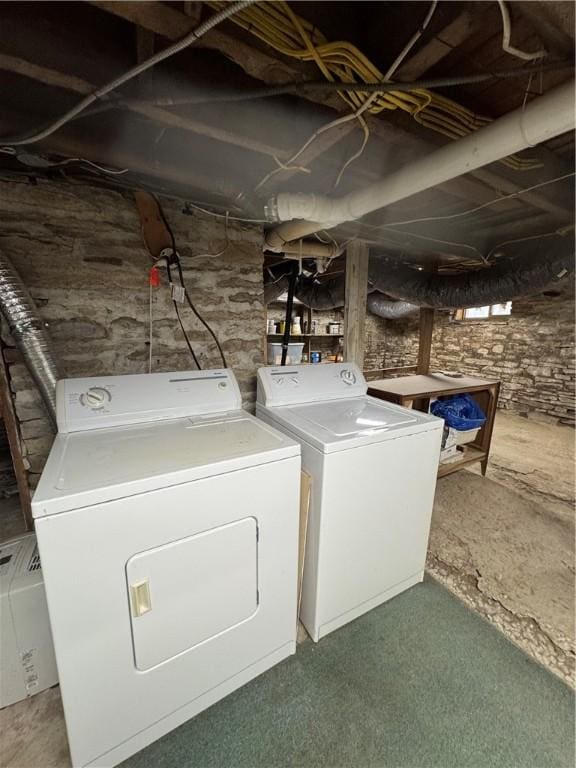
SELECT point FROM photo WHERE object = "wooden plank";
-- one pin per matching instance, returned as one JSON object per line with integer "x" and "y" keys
{"x": 14, "y": 441}
{"x": 172, "y": 24}
{"x": 506, "y": 187}
{"x": 45, "y": 75}
{"x": 167, "y": 21}
{"x": 357, "y": 255}
{"x": 470, "y": 456}
{"x": 451, "y": 36}
{"x": 144, "y": 44}
{"x": 425, "y": 340}
{"x": 429, "y": 386}
{"x": 156, "y": 114}
{"x": 553, "y": 23}
{"x": 71, "y": 141}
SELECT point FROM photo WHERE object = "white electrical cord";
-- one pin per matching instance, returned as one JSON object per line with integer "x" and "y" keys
{"x": 357, "y": 114}
{"x": 468, "y": 212}
{"x": 131, "y": 73}
{"x": 506, "y": 34}
{"x": 150, "y": 337}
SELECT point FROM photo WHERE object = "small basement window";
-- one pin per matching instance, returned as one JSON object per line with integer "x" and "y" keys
{"x": 484, "y": 313}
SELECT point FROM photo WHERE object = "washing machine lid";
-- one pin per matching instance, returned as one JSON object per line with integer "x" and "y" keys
{"x": 348, "y": 423}
{"x": 93, "y": 466}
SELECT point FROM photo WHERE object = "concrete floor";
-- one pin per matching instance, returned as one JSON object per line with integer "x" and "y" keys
{"x": 504, "y": 544}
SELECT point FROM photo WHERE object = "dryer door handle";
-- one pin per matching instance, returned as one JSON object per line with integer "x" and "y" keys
{"x": 140, "y": 598}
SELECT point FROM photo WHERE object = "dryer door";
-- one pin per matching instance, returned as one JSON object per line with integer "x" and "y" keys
{"x": 185, "y": 592}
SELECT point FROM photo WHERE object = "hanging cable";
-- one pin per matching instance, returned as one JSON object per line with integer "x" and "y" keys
{"x": 507, "y": 33}
{"x": 289, "y": 303}
{"x": 176, "y": 262}
{"x": 341, "y": 62}
{"x": 225, "y": 13}
{"x": 470, "y": 211}
{"x": 188, "y": 343}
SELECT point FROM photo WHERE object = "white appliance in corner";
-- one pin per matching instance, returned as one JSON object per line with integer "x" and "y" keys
{"x": 27, "y": 663}
{"x": 167, "y": 522}
{"x": 373, "y": 467}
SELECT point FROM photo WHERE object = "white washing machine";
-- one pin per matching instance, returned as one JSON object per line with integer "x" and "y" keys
{"x": 167, "y": 523}
{"x": 373, "y": 467}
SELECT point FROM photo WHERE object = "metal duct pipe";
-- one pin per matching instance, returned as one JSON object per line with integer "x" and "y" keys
{"x": 510, "y": 278}
{"x": 542, "y": 119}
{"x": 29, "y": 333}
{"x": 390, "y": 310}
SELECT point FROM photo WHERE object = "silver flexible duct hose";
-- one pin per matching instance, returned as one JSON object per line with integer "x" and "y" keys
{"x": 391, "y": 310}
{"x": 29, "y": 333}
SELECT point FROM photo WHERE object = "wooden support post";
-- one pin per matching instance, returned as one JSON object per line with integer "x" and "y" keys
{"x": 355, "y": 302}
{"x": 425, "y": 340}
{"x": 13, "y": 433}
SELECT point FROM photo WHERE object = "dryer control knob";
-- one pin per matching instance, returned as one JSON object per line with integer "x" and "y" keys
{"x": 348, "y": 376}
{"x": 96, "y": 398}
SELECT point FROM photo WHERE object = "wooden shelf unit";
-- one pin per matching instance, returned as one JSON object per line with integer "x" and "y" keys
{"x": 417, "y": 391}
{"x": 308, "y": 315}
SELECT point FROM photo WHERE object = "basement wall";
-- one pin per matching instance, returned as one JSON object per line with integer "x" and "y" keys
{"x": 79, "y": 250}
{"x": 531, "y": 352}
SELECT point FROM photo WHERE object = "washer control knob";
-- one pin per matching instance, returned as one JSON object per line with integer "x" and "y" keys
{"x": 96, "y": 398}
{"x": 279, "y": 381}
{"x": 348, "y": 376}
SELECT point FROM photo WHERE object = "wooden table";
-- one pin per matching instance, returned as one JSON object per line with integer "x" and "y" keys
{"x": 417, "y": 391}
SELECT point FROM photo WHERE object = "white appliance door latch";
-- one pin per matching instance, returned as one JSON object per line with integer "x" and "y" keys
{"x": 140, "y": 598}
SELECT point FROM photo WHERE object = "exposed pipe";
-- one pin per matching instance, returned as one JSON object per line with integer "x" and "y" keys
{"x": 543, "y": 118}
{"x": 29, "y": 333}
{"x": 508, "y": 278}
{"x": 330, "y": 294}
{"x": 390, "y": 310}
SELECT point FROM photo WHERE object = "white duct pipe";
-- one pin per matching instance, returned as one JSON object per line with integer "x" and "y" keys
{"x": 542, "y": 119}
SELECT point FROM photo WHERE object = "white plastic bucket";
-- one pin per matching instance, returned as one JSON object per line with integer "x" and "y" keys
{"x": 294, "y": 354}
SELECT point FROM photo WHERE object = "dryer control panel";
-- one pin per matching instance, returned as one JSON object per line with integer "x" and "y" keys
{"x": 285, "y": 385}
{"x": 108, "y": 401}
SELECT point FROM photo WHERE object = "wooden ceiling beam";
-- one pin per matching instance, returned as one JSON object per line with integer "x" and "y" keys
{"x": 71, "y": 141}
{"x": 546, "y": 22}
{"x": 442, "y": 43}
{"x": 45, "y": 75}
{"x": 173, "y": 24}
{"x": 156, "y": 114}
{"x": 507, "y": 187}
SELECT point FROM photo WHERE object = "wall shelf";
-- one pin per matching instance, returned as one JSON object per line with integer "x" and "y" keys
{"x": 331, "y": 348}
{"x": 293, "y": 337}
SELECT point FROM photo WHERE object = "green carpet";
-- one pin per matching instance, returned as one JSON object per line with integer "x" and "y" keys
{"x": 419, "y": 682}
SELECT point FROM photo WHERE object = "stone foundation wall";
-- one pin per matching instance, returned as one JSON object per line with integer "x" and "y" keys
{"x": 79, "y": 250}
{"x": 531, "y": 351}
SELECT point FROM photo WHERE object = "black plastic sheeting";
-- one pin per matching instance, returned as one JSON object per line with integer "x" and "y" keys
{"x": 510, "y": 278}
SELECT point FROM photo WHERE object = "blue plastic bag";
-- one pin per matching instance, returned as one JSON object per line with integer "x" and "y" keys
{"x": 459, "y": 411}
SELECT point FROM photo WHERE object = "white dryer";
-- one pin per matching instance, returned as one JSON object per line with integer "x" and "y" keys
{"x": 167, "y": 523}
{"x": 373, "y": 467}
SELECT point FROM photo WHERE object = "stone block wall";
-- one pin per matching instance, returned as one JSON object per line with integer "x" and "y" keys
{"x": 531, "y": 351}
{"x": 79, "y": 250}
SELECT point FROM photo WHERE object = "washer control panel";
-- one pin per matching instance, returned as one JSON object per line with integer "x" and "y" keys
{"x": 96, "y": 398}
{"x": 109, "y": 401}
{"x": 290, "y": 384}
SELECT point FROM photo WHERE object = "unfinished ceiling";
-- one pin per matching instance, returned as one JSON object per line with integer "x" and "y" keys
{"x": 202, "y": 125}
